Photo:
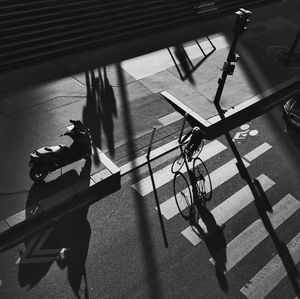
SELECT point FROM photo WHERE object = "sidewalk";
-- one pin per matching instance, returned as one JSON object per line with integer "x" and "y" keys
{"x": 36, "y": 117}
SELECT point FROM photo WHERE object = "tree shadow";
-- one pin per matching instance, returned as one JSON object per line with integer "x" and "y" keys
{"x": 100, "y": 109}
{"x": 65, "y": 243}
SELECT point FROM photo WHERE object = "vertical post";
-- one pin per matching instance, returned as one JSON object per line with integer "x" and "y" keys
{"x": 155, "y": 191}
{"x": 239, "y": 28}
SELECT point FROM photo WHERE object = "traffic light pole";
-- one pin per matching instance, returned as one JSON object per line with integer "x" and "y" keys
{"x": 228, "y": 69}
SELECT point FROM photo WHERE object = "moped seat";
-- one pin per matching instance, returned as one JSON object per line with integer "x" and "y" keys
{"x": 50, "y": 150}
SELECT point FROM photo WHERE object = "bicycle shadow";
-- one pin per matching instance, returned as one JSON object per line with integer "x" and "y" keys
{"x": 65, "y": 243}
{"x": 213, "y": 236}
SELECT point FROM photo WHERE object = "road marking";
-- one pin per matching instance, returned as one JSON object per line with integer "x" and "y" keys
{"x": 257, "y": 152}
{"x": 229, "y": 208}
{"x": 272, "y": 273}
{"x": 246, "y": 241}
{"x": 218, "y": 177}
{"x": 165, "y": 175}
{"x": 170, "y": 118}
{"x": 34, "y": 252}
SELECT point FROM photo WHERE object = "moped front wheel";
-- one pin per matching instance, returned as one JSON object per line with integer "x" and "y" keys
{"x": 38, "y": 174}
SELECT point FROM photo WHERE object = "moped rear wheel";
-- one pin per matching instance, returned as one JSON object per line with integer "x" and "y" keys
{"x": 38, "y": 174}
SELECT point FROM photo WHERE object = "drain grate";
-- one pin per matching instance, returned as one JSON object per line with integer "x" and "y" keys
{"x": 281, "y": 54}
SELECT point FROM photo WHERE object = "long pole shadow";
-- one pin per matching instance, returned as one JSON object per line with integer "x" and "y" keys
{"x": 142, "y": 223}
{"x": 260, "y": 198}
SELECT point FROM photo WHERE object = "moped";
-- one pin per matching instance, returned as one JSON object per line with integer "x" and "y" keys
{"x": 50, "y": 158}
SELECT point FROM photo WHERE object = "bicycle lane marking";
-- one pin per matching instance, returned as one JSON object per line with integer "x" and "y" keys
{"x": 229, "y": 208}
{"x": 272, "y": 273}
{"x": 218, "y": 177}
{"x": 164, "y": 175}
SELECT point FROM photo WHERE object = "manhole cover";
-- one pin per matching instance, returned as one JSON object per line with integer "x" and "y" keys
{"x": 282, "y": 53}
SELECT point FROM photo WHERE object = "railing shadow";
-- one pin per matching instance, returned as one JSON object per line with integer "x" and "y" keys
{"x": 186, "y": 65}
{"x": 65, "y": 243}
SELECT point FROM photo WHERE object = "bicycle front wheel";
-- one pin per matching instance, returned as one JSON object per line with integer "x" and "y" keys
{"x": 203, "y": 179}
{"x": 182, "y": 194}
{"x": 197, "y": 152}
{"x": 178, "y": 163}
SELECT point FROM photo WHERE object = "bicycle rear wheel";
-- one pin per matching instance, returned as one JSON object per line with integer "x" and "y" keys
{"x": 178, "y": 163}
{"x": 182, "y": 194}
{"x": 203, "y": 179}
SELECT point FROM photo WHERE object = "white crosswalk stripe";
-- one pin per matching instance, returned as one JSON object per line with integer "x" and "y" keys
{"x": 245, "y": 242}
{"x": 218, "y": 177}
{"x": 229, "y": 208}
{"x": 248, "y": 240}
{"x": 272, "y": 273}
{"x": 164, "y": 175}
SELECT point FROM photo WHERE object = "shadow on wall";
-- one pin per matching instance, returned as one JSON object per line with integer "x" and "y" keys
{"x": 65, "y": 243}
{"x": 100, "y": 109}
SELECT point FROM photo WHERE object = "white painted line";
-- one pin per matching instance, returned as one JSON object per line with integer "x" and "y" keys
{"x": 16, "y": 218}
{"x": 257, "y": 152}
{"x": 165, "y": 175}
{"x": 272, "y": 273}
{"x": 229, "y": 208}
{"x": 143, "y": 159}
{"x": 110, "y": 165}
{"x": 246, "y": 241}
{"x": 170, "y": 118}
{"x": 218, "y": 177}
{"x": 185, "y": 108}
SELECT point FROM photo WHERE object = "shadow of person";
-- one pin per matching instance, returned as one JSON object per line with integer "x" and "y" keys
{"x": 91, "y": 113}
{"x": 215, "y": 241}
{"x": 66, "y": 242}
{"x": 109, "y": 110}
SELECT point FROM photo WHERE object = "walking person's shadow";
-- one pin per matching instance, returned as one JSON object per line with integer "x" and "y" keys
{"x": 65, "y": 243}
{"x": 100, "y": 109}
{"x": 91, "y": 114}
{"x": 109, "y": 110}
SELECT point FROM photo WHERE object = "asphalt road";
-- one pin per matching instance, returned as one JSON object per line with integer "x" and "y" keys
{"x": 115, "y": 248}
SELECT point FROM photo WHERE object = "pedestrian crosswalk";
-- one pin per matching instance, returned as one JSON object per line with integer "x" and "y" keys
{"x": 262, "y": 283}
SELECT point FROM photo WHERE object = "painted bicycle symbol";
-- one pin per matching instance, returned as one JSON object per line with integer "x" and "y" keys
{"x": 244, "y": 133}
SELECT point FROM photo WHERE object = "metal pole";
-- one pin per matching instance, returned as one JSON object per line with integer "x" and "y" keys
{"x": 155, "y": 191}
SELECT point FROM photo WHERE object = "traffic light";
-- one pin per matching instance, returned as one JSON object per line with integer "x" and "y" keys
{"x": 242, "y": 21}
